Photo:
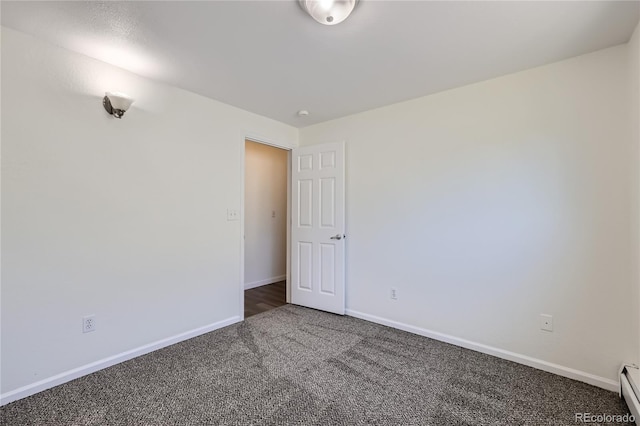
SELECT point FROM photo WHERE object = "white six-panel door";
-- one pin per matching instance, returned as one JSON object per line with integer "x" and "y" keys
{"x": 318, "y": 228}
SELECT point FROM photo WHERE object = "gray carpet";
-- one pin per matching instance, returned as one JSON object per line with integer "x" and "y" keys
{"x": 294, "y": 365}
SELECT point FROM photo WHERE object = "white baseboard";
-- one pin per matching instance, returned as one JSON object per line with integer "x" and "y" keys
{"x": 560, "y": 370}
{"x": 69, "y": 375}
{"x": 267, "y": 281}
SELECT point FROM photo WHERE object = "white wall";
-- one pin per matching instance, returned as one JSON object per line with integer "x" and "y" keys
{"x": 265, "y": 241}
{"x": 634, "y": 74}
{"x": 490, "y": 204}
{"x": 124, "y": 219}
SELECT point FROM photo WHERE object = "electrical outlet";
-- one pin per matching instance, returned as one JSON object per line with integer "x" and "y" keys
{"x": 546, "y": 322}
{"x": 89, "y": 323}
{"x": 394, "y": 293}
{"x": 232, "y": 214}
{"x": 273, "y": 213}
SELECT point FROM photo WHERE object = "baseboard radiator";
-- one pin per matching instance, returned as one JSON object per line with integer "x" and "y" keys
{"x": 630, "y": 389}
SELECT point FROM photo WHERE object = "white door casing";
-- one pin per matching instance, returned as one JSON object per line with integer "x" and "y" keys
{"x": 318, "y": 227}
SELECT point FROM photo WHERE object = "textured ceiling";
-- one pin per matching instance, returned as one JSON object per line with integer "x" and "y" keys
{"x": 270, "y": 58}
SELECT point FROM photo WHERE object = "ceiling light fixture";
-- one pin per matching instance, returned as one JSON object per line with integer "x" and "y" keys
{"x": 328, "y": 12}
{"x": 116, "y": 104}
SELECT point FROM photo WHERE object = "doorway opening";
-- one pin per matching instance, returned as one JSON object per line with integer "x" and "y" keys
{"x": 265, "y": 227}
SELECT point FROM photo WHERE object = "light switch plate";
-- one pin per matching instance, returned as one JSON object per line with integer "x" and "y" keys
{"x": 232, "y": 214}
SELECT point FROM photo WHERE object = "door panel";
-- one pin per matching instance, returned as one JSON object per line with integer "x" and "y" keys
{"x": 327, "y": 268}
{"x": 305, "y": 260}
{"x": 317, "y": 231}
{"x": 305, "y": 203}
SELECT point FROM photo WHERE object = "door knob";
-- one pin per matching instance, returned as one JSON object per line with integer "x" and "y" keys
{"x": 337, "y": 237}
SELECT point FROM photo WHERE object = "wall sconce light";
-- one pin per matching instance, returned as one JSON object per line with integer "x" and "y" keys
{"x": 116, "y": 104}
{"x": 328, "y": 12}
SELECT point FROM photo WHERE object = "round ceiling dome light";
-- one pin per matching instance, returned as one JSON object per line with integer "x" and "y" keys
{"x": 328, "y": 12}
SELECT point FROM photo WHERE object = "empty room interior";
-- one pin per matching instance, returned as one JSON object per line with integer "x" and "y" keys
{"x": 320, "y": 212}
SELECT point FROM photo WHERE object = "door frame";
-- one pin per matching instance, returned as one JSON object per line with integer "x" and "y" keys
{"x": 287, "y": 147}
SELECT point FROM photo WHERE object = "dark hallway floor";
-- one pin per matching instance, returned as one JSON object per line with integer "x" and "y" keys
{"x": 264, "y": 298}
